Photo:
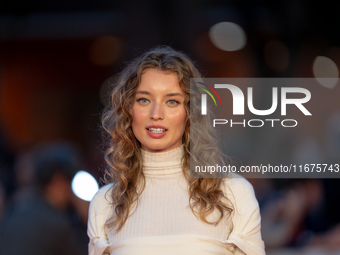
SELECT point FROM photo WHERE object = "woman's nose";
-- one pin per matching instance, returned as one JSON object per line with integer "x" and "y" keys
{"x": 157, "y": 112}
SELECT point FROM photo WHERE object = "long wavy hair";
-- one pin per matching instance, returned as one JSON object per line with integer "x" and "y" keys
{"x": 123, "y": 151}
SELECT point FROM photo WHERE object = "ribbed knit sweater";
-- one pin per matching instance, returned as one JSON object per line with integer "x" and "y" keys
{"x": 163, "y": 222}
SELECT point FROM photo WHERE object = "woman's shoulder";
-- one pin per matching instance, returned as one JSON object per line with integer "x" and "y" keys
{"x": 237, "y": 182}
{"x": 239, "y": 190}
{"x": 103, "y": 195}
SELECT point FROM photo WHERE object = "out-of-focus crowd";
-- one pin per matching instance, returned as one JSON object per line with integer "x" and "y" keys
{"x": 299, "y": 216}
{"x": 39, "y": 214}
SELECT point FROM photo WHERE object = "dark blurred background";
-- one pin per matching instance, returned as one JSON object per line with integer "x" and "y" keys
{"x": 56, "y": 56}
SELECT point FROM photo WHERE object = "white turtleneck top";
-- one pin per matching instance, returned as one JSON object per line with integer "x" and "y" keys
{"x": 163, "y": 222}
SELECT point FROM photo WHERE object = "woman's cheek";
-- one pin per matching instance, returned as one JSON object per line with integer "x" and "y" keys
{"x": 178, "y": 115}
{"x": 138, "y": 113}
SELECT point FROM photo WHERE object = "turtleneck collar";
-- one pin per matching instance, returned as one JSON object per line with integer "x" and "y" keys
{"x": 162, "y": 163}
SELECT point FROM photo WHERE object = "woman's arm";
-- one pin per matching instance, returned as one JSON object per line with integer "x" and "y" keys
{"x": 246, "y": 219}
{"x": 99, "y": 211}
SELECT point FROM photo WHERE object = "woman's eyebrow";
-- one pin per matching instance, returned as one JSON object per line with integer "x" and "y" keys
{"x": 143, "y": 92}
{"x": 174, "y": 94}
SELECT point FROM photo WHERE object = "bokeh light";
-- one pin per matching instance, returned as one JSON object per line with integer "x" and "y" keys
{"x": 84, "y": 185}
{"x": 325, "y": 71}
{"x": 228, "y": 36}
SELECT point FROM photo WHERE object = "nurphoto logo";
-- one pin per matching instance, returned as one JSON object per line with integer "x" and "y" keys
{"x": 238, "y": 100}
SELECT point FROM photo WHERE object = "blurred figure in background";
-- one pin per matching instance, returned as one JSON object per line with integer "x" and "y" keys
{"x": 301, "y": 218}
{"x": 293, "y": 213}
{"x": 36, "y": 221}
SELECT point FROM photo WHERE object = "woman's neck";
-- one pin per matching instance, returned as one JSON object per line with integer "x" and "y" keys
{"x": 159, "y": 163}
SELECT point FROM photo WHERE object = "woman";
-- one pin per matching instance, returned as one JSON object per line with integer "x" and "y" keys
{"x": 151, "y": 205}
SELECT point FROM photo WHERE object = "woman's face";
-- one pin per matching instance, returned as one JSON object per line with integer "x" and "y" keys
{"x": 158, "y": 111}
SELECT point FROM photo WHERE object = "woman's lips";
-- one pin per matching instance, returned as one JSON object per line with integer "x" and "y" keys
{"x": 156, "y": 132}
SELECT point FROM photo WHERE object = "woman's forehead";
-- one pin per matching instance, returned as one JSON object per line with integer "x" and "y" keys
{"x": 157, "y": 80}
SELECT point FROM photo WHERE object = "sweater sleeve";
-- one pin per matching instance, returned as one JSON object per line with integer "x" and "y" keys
{"x": 99, "y": 212}
{"x": 246, "y": 231}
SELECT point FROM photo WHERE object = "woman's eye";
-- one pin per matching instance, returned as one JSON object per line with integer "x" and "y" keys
{"x": 142, "y": 100}
{"x": 173, "y": 102}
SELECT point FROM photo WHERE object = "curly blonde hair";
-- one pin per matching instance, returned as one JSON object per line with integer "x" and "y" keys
{"x": 123, "y": 154}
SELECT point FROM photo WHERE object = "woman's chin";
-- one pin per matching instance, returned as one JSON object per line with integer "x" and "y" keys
{"x": 159, "y": 147}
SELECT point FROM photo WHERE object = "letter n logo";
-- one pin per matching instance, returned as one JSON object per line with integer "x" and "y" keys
{"x": 204, "y": 97}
